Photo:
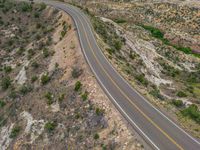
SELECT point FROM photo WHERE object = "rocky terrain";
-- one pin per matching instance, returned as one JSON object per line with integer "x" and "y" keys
{"x": 155, "y": 46}
{"x": 49, "y": 98}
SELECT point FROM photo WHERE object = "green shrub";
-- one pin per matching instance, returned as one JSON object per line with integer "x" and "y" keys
{"x": 120, "y": 20}
{"x": 181, "y": 94}
{"x": 64, "y": 31}
{"x": 99, "y": 111}
{"x": 45, "y": 53}
{"x": 78, "y": 86}
{"x": 24, "y": 89}
{"x": 177, "y": 103}
{"x": 110, "y": 50}
{"x": 141, "y": 79}
{"x": 96, "y": 136}
{"x": 49, "y": 97}
{"x": 34, "y": 78}
{"x": 5, "y": 83}
{"x": 50, "y": 126}
{"x": 35, "y": 65}
{"x": 156, "y": 94}
{"x": 84, "y": 96}
{"x": 7, "y": 69}
{"x": 42, "y": 6}
{"x": 25, "y": 7}
{"x": 186, "y": 50}
{"x": 45, "y": 79}
{"x": 154, "y": 31}
{"x": 15, "y": 131}
{"x": 2, "y": 103}
{"x": 192, "y": 112}
{"x": 36, "y": 15}
{"x": 61, "y": 97}
{"x": 31, "y": 52}
{"x": 76, "y": 72}
{"x": 20, "y": 51}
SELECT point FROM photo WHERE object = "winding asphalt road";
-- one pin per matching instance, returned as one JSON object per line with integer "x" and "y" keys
{"x": 155, "y": 127}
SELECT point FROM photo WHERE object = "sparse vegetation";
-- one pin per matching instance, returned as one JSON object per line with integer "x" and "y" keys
{"x": 24, "y": 89}
{"x": 108, "y": 35}
{"x": 49, "y": 97}
{"x": 34, "y": 78}
{"x": 45, "y": 78}
{"x": 181, "y": 94}
{"x": 84, "y": 96}
{"x": 35, "y": 65}
{"x": 50, "y": 126}
{"x": 155, "y": 32}
{"x": 96, "y": 136}
{"x": 141, "y": 79}
{"x": 192, "y": 112}
{"x": 120, "y": 20}
{"x": 99, "y": 111}
{"x": 7, "y": 69}
{"x": 76, "y": 72}
{"x": 15, "y": 131}
{"x": 46, "y": 52}
{"x": 78, "y": 86}
{"x": 5, "y": 83}
{"x": 2, "y": 103}
{"x": 177, "y": 103}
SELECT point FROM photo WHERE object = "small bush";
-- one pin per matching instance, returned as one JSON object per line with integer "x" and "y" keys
{"x": 45, "y": 79}
{"x": 76, "y": 72}
{"x": 120, "y": 20}
{"x": 99, "y": 111}
{"x": 49, "y": 97}
{"x": 181, "y": 94}
{"x": 31, "y": 52}
{"x": 192, "y": 112}
{"x": 36, "y": 15}
{"x": 5, "y": 83}
{"x": 7, "y": 69}
{"x": 61, "y": 97}
{"x": 84, "y": 96}
{"x": 142, "y": 79}
{"x": 45, "y": 53}
{"x": 35, "y": 65}
{"x": 24, "y": 89}
{"x": 15, "y": 131}
{"x": 2, "y": 103}
{"x": 78, "y": 86}
{"x": 110, "y": 51}
{"x": 34, "y": 78}
{"x": 42, "y": 6}
{"x": 25, "y": 7}
{"x": 154, "y": 31}
{"x": 50, "y": 126}
{"x": 156, "y": 94}
{"x": 177, "y": 103}
{"x": 96, "y": 136}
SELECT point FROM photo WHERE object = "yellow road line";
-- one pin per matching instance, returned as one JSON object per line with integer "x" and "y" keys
{"x": 149, "y": 119}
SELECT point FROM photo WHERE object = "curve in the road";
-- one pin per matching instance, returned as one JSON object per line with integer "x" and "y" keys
{"x": 160, "y": 131}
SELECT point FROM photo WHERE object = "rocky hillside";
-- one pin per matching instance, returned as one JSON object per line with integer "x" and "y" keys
{"x": 49, "y": 99}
